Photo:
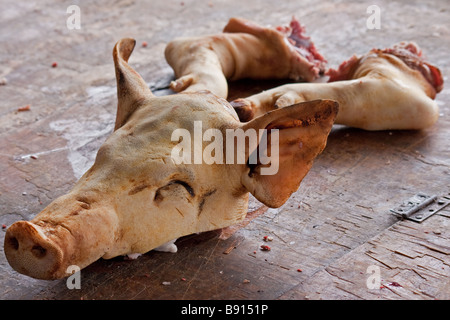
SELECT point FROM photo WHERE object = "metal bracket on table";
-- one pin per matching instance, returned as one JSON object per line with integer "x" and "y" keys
{"x": 421, "y": 206}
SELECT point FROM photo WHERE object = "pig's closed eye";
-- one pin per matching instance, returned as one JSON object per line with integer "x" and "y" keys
{"x": 163, "y": 191}
{"x": 186, "y": 186}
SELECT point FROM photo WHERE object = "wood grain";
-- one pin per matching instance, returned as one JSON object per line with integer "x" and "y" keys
{"x": 332, "y": 229}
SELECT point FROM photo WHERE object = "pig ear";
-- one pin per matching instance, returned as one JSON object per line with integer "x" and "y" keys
{"x": 303, "y": 130}
{"x": 132, "y": 90}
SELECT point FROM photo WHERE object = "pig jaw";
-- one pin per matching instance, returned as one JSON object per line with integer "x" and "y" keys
{"x": 144, "y": 227}
{"x": 45, "y": 247}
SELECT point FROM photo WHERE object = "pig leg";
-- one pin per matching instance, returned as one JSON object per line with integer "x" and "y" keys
{"x": 243, "y": 50}
{"x": 382, "y": 94}
{"x": 369, "y": 104}
{"x": 196, "y": 67}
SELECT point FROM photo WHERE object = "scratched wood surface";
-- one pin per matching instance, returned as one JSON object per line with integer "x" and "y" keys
{"x": 326, "y": 238}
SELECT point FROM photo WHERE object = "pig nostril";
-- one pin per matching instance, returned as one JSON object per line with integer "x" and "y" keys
{"x": 38, "y": 251}
{"x": 13, "y": 243}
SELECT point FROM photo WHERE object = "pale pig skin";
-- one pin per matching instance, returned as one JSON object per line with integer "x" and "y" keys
{"x": 379, "y": 92}
{"x": 243, "y": 50}
{"x": 135, "y": 198}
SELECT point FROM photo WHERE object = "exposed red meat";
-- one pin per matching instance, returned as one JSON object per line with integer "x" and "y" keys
{"x": 305, "y": 45}
{"x": 411, "y": 55}
{"x": 409, "y": 52}
{"x": 296, "y": 36}
{"x": 345, "y": 70}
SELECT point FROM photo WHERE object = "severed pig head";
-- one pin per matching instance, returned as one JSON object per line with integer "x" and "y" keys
{"x": 137, "y": 196}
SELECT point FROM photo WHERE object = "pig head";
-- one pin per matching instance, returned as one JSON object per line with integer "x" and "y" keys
{"x": 136, "y": 197}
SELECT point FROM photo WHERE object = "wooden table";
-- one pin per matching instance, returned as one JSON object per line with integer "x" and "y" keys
{"x": 330, "y": 238}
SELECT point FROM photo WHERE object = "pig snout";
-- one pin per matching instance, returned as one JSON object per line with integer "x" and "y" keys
{"x": 29, "y": 251}
{"x": 65, "y": 234}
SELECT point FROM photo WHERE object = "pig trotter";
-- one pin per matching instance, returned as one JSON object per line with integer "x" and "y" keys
{"x": 243, "y": 109}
